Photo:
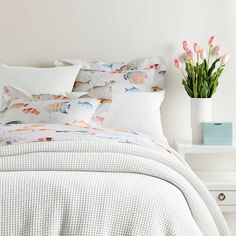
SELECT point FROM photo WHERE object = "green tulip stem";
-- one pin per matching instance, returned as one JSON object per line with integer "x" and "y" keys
{"x": 209, "y": 53}
{"x": 183, "y": 73}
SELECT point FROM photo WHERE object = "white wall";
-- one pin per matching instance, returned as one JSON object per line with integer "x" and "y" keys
{"x": 35, "y": 32}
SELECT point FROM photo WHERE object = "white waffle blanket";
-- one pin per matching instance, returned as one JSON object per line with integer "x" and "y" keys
{"x": 94, "y": 186}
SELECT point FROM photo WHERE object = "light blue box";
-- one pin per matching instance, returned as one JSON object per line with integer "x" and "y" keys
{"x": 217, "y": 133}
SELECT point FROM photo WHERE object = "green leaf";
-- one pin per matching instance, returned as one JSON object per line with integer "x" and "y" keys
{"x": 213, "y": 66}
{"x": 205, "y": 64}
{"x": 195, "y": 92}
{"x": 213, "y": 88}
{"x": 200, "y": 77}
{"x": 205, "y": 90}
{"x": 187, "y": 88}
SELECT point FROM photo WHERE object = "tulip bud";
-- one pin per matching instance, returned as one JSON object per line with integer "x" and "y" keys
{"x": 224, "y": 59}
{"x": 191, "y": 54}
{"x": 196, "y": 48}
{"x": 203, "y": 54}
{"x": 185, "y": 45}
{"x": 178, "y": 64}
{"x": 217, "y": 50}
{"x": 212, "y": 41}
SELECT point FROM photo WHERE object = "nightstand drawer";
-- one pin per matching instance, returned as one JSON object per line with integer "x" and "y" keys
{"x": 224, "y": 198}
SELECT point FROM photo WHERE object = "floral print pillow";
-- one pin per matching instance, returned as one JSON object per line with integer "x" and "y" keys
{"x": 21, "y": 107}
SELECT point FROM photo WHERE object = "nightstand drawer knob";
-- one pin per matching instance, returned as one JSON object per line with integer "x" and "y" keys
{"x": 221, "y": 197}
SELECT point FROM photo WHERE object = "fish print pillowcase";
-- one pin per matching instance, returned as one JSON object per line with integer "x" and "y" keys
{"x": 144, "y": 75}
{"x": 21, "y": 107}
{"x": 104, "y": 95}
{"x": 119, "y": 81}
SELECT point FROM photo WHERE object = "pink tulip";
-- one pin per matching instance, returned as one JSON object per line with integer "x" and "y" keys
{"x": 212, "y": 41}
{"x": 185, "y": 45}
{"x": 196, "y": 48}
{"x": 191, "y": 54}
{"x": 224, "y": 59}
{"x": 203, "y": 54}
{"x": 217, "y": 50}
{"x": 178, "y": 64}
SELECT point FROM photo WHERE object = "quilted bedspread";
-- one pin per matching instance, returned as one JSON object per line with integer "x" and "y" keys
{"x": 70, "y": 180}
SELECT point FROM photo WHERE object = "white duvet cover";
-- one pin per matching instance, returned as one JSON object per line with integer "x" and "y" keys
{"x": 69, "y": 180}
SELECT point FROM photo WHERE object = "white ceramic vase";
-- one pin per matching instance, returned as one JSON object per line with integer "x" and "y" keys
{"x": 201, "y": 111}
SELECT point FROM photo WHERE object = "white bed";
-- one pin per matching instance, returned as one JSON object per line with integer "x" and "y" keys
{"x": 64, "y": 171}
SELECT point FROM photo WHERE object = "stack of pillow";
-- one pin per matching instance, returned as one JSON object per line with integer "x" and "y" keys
{"x": 77, "y": 92}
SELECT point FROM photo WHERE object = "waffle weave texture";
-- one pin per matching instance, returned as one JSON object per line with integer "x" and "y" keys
{"x": 96, "y": 187}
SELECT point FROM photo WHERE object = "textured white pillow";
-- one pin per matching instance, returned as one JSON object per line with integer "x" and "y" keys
{"x": 39, "y": 80}
{"x": 136, "y": 111}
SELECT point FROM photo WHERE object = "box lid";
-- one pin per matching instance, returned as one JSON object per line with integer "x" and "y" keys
{"x": 217, "y": 130}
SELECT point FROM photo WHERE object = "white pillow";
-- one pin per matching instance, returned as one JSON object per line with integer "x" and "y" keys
{"x": 39, "y": 80}
{"x": 136, "y": 111}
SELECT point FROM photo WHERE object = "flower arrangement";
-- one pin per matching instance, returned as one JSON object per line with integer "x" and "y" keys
{"x": 200, "y": 78}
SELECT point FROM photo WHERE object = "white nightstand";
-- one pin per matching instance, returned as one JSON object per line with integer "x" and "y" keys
{"x": 220, "y": 182}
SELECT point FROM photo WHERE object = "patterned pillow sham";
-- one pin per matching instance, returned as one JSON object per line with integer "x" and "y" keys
{"x": 101, "y": 93}
{"x": 21, "y": 107}
{"x": 118, "y": 81}
{"x": 144, "y": 75}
